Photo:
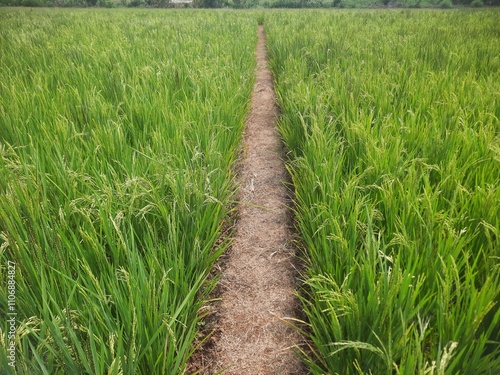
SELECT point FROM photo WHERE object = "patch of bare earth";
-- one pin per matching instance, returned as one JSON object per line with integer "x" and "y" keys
{"x": 258, "y": 282}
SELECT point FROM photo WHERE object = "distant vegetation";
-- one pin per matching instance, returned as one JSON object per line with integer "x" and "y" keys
{"x": 256, "y": 3}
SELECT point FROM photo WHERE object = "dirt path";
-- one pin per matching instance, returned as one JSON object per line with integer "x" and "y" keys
{"x": 259, "y": 278}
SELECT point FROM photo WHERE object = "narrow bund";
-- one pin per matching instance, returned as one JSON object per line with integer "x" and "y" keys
{"x": 257, "y": 288}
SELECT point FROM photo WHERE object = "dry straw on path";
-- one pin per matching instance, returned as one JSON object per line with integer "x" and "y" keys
{"x": 258, "y": 283}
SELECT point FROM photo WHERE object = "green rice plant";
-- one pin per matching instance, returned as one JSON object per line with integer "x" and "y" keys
{"x": 392, "y": 120}
{"x": 118, "y": 131}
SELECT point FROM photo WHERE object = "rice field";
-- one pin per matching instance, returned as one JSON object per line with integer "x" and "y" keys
{"x": 119, "y": 130}
{"x": 392, "y": 124}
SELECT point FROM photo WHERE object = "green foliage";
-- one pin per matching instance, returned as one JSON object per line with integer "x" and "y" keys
{"x": 392, "y": 120}
{"x": 207, "y": 3}
{"x": 245, "y": 4}
{"x": 446, "y": 4}
{"x": 118, "y": 131}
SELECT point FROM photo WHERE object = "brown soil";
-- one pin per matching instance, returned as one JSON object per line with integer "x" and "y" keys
{"x": 252, "y": 334}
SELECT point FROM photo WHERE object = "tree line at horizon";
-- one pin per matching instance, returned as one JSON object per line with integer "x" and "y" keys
{"x": 255, "y": 3}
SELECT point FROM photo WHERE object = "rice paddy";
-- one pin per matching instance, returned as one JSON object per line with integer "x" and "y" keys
{"x": 119, "y": 130}
{"x": 392, "y": 122}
